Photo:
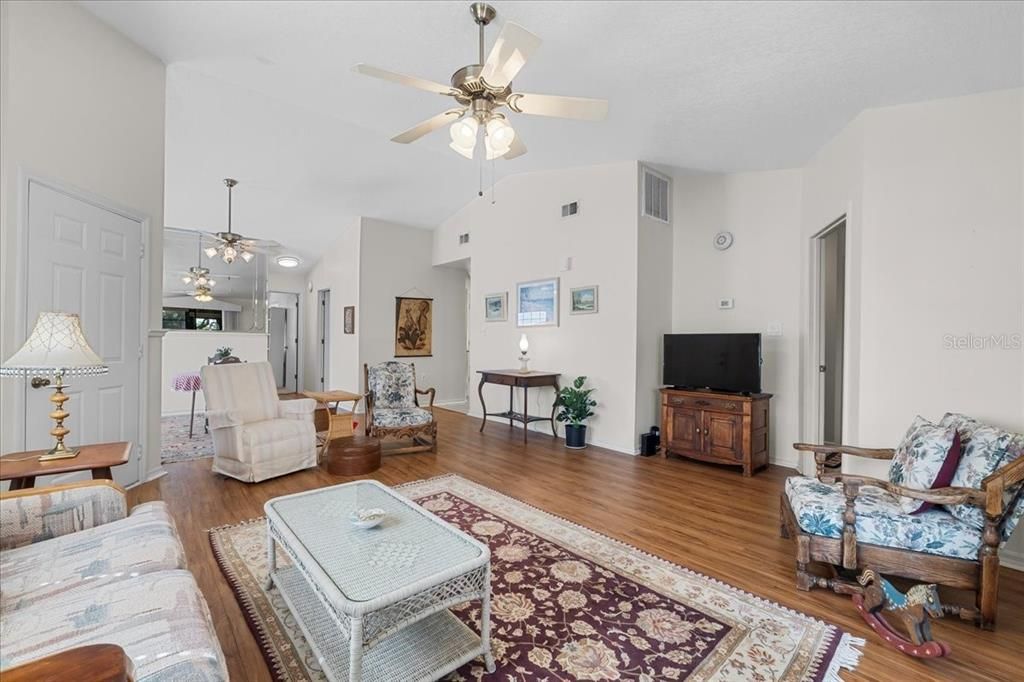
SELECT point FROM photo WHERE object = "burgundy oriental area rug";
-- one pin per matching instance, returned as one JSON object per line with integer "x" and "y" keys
{"x": 570, "y": 604}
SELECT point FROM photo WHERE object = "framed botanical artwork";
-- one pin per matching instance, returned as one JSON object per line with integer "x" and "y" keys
{"x": 350, "y": 319}
{"x": 496, "y": 307}
{"x": 537, "y": 303}
{"x": 583, "y": 300}
{"x": 414, "y": 322}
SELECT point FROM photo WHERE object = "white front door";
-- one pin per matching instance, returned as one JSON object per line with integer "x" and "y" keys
{"x": 87, "y": 260}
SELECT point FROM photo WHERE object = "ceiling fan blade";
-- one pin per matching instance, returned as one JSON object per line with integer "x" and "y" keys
{"x": 516, "y": 149}
{"x": 508, "y": 55}
{"x": 582, "y": 108}
{"x": 430, "y": 125}
{"x": 402, "y": 79}
{"x": 259, "y": 243}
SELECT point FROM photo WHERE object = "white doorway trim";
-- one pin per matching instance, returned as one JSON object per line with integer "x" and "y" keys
{"x": 813, "y": 386}
{"x": 27, "y": 177}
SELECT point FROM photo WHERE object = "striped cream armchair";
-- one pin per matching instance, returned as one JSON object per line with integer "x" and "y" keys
{"x": 256, "y": 435}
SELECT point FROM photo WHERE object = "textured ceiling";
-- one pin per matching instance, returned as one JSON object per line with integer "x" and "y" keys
{"x": 263, "y": 91}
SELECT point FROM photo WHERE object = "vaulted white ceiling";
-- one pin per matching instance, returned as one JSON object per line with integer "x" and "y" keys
{"x": 264, "y": 92}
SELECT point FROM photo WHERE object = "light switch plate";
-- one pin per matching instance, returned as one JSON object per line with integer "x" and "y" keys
{"x": 774, "y": 329}
{"x": 725, "y": 304}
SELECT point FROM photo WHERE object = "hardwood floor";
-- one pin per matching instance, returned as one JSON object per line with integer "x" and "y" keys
{"x": 706, "y": 518}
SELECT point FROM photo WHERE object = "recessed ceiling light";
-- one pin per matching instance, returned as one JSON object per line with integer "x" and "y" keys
{"x": 288, "y": 261}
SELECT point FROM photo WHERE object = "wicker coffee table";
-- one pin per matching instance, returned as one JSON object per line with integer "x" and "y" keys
{"x": 373, "y": 603}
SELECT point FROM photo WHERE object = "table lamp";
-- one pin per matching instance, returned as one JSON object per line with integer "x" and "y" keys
{"x": 524, "y": 346}
{"x": 56, "y": 347}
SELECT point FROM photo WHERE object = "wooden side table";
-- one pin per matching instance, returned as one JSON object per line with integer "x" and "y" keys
{"x": 331, "y": 424}
{"x": 525, "y": 380}
{"x": 22, "y": 468}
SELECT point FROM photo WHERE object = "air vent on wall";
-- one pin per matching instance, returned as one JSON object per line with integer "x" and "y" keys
{"x": 570, "y": 209}
{"x": 657, "y": 192}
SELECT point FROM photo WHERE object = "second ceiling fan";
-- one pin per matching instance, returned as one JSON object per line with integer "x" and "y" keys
{"x": 482, "y": 89}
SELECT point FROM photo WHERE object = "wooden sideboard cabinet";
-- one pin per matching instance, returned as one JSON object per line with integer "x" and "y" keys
{"x": 725, "y": 428}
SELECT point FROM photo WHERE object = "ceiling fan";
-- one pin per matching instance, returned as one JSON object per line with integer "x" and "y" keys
{"x": 482, "y": 89}
{"x": 231, "y": 245}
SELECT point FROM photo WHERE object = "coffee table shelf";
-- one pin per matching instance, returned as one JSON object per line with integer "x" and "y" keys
{"x": 425, "y": 650}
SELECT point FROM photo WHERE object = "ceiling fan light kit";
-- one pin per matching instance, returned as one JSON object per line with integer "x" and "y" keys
{"x": 232, "y": 245}
{"x": 483, "y": 88}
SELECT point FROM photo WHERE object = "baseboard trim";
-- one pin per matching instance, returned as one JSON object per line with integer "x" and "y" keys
{"x": 1011, "y": 559}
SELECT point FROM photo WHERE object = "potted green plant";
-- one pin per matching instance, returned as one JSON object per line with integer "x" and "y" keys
{"x": 576, "y": 405}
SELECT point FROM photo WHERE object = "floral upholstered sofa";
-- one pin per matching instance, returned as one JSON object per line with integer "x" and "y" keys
{"x": 954, "y": 495}
{"x": 76, "y": 569}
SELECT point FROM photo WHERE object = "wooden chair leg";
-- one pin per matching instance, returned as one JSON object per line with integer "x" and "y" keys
{"x": 988, "y": 591}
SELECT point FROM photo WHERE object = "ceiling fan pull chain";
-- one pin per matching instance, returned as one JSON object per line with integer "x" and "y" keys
{"x": 492, "y": 182}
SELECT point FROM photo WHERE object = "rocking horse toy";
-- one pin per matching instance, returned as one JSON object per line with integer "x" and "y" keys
{"x": 878, "y": 598}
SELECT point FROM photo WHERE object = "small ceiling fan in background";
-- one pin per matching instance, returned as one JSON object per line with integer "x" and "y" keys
{"x": 482, "y": 89}
{"x": 231, "y": 245}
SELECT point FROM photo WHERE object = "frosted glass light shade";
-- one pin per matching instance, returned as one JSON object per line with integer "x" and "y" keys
{"x": 56, "y": 344}
{"x": 500, "y": 135}
{"x": 524, "y": 345}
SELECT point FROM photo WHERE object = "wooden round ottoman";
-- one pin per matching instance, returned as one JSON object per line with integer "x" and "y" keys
{"x": 353, "y": 456}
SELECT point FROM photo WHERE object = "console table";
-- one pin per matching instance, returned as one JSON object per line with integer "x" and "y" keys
{"x": 513, "y": 379}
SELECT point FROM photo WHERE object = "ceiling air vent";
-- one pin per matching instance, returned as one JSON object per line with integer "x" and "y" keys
{"x": 656, "y": 195}
{"x": 570, "y": 209}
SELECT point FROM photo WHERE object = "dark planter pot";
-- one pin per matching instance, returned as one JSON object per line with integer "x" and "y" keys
{"x": 575, "y": 436}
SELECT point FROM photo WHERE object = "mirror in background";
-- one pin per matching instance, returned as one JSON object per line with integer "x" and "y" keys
{"x": 206, "y": 294}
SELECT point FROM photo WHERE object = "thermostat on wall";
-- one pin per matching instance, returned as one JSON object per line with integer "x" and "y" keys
{"x": 725, "y": 304}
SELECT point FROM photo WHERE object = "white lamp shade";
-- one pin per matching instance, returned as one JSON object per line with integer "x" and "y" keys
{"x": 56, "y": 344}
{"x": 524, "y": 345}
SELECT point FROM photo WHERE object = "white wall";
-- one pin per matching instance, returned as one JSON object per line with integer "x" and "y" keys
{"x": 81, "y": 104}
{"x": 395, "y": 260}
{"x": 654, "y": 315}
{"x": 337, "y": 270}
{"x": 522, "y": 237}
{"x": 762, "y": 210}
{"x": 188, "y": 351}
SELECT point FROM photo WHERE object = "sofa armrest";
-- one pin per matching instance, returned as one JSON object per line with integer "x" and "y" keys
{"x": 825, "y": 449}
{"x": 223, "y": 419}
{"x": 35, "y": 514}
{"x": 948, "y": 495}
{"x": 92, "y": 663}
{"x": 300, "y": 409}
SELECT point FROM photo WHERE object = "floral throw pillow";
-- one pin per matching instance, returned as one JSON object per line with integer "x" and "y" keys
{"x": 925, "y": 459}
{"x": 988, "y": 449}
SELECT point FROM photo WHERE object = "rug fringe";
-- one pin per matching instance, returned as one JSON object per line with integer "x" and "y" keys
{"x": 847, "y": 656}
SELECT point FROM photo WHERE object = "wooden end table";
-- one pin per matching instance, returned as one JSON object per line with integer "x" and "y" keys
{"x": 335, "y": 425}
{"x": 525, "y": 380}
{"x": 22, "y": 468}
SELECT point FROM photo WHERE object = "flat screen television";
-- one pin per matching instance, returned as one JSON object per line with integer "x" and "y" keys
{"x": 723, "y": 362}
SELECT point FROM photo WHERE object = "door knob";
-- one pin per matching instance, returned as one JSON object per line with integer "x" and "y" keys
{"x": 821, "y": 368}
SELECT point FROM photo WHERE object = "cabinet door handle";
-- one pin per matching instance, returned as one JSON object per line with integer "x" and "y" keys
{"x": 705, "y": 432}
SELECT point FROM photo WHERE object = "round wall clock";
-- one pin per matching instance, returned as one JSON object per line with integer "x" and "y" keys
{"x": 723, "y": 240}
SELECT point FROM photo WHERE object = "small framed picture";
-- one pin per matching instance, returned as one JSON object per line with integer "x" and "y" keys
{"x": 496, "y": 307}
{"x": 583, "y": 300}
{"x": 537, "y": 303}
{"x": 350, "y": 319}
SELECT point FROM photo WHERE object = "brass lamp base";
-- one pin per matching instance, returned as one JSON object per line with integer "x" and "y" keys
{"x": 59, "y": 414}
{"x": 58, "y": 451}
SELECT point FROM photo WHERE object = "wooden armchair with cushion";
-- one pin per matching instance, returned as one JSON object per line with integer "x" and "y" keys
{"x": 393, "y": 409}
{"x": 849, "y": 522}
